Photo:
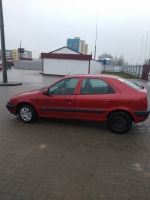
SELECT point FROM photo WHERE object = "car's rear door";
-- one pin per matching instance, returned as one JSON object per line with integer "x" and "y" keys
{"x": 96, "y": 103}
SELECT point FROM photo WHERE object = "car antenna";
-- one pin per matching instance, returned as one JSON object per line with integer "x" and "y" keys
{"x": 74, "y": 68}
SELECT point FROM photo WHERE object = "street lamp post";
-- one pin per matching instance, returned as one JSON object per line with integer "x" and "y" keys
{"x": 3, "y": 44}
{"x": 20, "y": 48}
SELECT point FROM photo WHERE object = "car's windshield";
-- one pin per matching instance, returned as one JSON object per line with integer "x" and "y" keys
{"x": 131, "y": 84}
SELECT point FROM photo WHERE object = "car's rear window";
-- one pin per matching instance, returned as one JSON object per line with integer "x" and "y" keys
{"x": 131, "y": 84}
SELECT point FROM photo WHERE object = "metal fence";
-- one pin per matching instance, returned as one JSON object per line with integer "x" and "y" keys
{"x": 133, "y": 70}
{"x": 111, "y": 68}
{"x": 32, "y": 65}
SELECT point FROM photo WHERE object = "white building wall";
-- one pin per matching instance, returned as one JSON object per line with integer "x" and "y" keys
{"x": 95, "y": 67}
{"x": 64, "y": 66}
{"x": 24, "y": 55}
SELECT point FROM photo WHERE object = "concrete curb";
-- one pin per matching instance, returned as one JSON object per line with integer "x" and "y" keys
{"x": 10, "y": 84}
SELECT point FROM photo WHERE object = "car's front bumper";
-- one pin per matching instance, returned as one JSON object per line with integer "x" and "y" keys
{"x": 9, "y": 106}
{"x": 142, "y": 113}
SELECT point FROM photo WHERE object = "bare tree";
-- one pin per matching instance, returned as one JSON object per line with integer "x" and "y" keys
{"x": 120, "y": 61}
{"x": 115, "y": 61}
{"x": 105, "y": 55}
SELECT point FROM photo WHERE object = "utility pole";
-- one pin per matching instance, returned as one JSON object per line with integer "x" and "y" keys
{"x": 20, "y": 48}
{"x": 95, "y": 39}
{"x": 3, "y": 44}
{"x": 146, "y": 46}
{"x": 149, "y": 57}
{"x": 141, "y": 50}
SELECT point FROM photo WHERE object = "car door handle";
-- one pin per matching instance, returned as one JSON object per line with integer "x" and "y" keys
{"x": 106, "y": 101}
{"x": 68, "y": 101}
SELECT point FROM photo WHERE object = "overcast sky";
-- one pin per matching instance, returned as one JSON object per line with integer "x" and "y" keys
{"x": 45, "y": 25}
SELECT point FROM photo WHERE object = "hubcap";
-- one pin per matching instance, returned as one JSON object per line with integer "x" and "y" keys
{"x": 25, "y": 114}
{"x": 119, "y": 122}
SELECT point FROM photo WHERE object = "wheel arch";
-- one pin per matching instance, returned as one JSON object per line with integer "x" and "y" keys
{"x": 121, "y": 110}
{"x": 25, "y": 103}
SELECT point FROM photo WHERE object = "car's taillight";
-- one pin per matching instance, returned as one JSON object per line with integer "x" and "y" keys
{"x": 144, "y": 101}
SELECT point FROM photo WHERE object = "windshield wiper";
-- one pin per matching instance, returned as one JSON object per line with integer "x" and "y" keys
{"x": 42, "y": 88}
{"x": 140, "y": 86}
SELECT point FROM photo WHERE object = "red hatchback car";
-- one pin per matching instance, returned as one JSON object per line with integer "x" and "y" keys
{"x": 102, "y": 98}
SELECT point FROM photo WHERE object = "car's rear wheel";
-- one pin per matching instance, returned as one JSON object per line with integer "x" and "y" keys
{"x": 26, "y": 113}
{"x": 119, "y": 122}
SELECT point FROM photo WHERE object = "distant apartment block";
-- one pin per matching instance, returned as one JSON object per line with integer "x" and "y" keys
{"x": 15, "y": 55}
{"x": 77, "y": 45}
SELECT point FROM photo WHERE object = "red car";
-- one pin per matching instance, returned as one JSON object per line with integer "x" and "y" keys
{"x": 1, "y": 68}
{"x": 102, "y": 98}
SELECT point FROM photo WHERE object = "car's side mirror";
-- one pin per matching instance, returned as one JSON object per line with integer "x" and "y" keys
{"x": 45, "y": 92}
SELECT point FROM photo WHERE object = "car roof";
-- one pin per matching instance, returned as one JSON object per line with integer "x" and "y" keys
{"x": 92, "y": 75}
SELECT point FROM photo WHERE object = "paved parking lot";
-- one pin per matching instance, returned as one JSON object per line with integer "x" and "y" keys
{"x": 69, "y": 160}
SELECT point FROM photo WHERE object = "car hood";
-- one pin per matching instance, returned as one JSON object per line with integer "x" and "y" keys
{"x": 31, "y": 92}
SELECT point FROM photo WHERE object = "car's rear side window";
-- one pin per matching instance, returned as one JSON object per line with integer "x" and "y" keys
{"x": 95, "y": 86}
{"x": 129, "y": 83}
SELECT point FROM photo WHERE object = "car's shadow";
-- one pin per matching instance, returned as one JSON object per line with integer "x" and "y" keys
{"x": 78, "y": 125}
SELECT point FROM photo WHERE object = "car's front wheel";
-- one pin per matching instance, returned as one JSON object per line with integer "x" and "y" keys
{"x": 119, "y": 122}
{"x": 27, "y": 113}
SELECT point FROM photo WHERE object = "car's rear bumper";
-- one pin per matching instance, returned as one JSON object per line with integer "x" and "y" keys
{"x": 142, "y": 113}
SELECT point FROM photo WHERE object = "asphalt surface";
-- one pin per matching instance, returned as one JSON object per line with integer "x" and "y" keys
{"x": 69, "y": 160}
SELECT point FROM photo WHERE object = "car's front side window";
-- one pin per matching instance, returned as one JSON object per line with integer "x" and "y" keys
{"x": 66, "y": 86}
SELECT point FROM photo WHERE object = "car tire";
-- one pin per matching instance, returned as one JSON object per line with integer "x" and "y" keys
{"x": 27, "y": 113}
{"x": 119, "y": 122}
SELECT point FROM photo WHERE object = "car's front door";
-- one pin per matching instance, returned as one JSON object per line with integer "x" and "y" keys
{"x": 59, "y": 100}
{"x": 95, "y": 99}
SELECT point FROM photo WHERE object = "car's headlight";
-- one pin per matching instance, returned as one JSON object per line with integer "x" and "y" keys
{"x": 10, "y": 101}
